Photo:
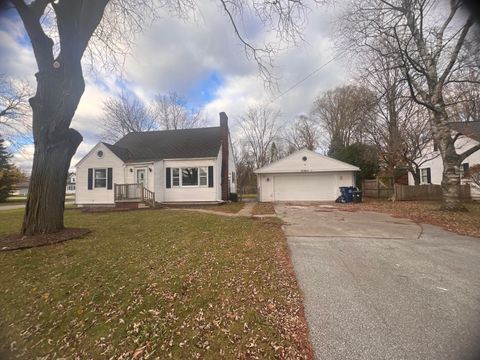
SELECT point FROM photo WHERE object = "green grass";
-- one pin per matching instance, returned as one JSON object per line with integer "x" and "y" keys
{"x": 164, "y": 283}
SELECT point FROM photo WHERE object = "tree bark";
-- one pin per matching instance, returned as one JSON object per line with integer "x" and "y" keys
{"x": 451, "y": 200}
{"x": 416, "y": 176}
{"x": 58, "y": 94}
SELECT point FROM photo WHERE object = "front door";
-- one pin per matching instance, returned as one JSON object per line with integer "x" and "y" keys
{"x": 142, "y": 177}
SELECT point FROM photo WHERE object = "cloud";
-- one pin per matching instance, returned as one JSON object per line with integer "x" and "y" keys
{"x": 201, "y": 59}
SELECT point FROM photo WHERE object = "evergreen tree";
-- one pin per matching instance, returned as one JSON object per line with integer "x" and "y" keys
{"x": 6, "y": 179}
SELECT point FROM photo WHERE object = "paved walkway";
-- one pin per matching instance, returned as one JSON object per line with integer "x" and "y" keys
{"x": 378, "y": 287}
{"x": 246, "y": 211}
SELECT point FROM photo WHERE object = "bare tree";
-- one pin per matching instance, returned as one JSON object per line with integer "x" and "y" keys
{"x": 260, "y": 126}
{"x": 124, "y": 115}
{"x": 342, "y": 113}
{"x": 466, "y": 100}
{"x": 15, "y": 112}
{"x": 417, "y": 141}
{"x": 397, "y": 126}
{"x": 303, "y": 133}
{"x": 429, "y": 46}
{"x": 172, "y": 113}
{"x": 101, "y": 28}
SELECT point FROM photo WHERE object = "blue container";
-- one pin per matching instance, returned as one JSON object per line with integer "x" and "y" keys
{"x": 347, "y": 192}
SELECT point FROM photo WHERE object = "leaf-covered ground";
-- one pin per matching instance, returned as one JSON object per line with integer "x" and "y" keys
{"x": 263, "y": 209}
{"x": 152, "y": 285}
{"x": 464, "y": 223}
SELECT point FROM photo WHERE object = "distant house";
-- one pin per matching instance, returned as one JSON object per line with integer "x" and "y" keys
{"x": 71, "y": 182}
{"x": 431, "y": 171}
{"x": 304, "y": 176}
{"x": 20, "y": 189}
{"x": 171, "y": 166}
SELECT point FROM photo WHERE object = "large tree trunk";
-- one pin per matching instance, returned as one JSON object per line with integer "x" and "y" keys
{"x": 416, "y": 176}
{"x": 54, "y": 104}
{"x": 451, "y": 200}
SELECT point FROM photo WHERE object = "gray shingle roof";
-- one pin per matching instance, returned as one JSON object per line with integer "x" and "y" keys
{"x": 468, "y": 128}
{"x": 168, "y": 144}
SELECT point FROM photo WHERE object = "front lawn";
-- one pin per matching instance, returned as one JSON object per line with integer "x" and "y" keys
{"x": 464, "y": 223}
{"x": 152, "y": 284}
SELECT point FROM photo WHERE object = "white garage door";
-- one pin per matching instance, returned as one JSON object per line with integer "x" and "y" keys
{"x": 304, "y": 187}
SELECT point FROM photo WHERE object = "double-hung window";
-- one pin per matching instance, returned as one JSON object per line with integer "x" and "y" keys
{"x": 425, "y": 176}
{"x": 175, "y": 177}
{"x": 100, "y": 176}
{"x": 203, "y": 176}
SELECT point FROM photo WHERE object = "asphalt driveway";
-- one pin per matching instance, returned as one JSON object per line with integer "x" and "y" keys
{"x": 378, "y": 287}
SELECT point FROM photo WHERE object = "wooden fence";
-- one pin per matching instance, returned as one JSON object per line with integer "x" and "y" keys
{"x": 377, "y": 188}
{"x": 426, "y": 192}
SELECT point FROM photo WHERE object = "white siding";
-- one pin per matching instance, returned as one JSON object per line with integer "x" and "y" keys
{"x": 303, "y": 186}
{"x": 192, "y": 193}
{"x": 436, "y": 165}
{"x": 84, "y": 196}
{"x": 159, "y": 181}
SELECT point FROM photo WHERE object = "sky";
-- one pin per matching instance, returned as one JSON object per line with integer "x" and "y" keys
{"x": 201, "y": 59}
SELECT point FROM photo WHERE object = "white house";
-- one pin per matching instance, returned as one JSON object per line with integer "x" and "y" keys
{"x": 432, "y": 170}
{"x": 304, "y": 176}
{"x": 71, "y": 182}
{"x": 171, "y": 166}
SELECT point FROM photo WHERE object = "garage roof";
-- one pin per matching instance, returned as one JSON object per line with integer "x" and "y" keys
{"x": 306, "y": 161}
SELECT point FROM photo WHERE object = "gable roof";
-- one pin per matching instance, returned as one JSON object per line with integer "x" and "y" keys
{"x": 168, "y": 144}
{"x": 467, "y": 128}
{"x": 314, "y": 162}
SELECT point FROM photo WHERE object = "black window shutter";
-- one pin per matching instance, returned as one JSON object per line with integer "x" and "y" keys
{"x": 210, "y": 176}
{"x": 109, "y": 178}
{"x": 90, "y": 179}
{"x": 429, "y": 176}
{"x": 466, "y": 167}
{"x": 168, "y": 179}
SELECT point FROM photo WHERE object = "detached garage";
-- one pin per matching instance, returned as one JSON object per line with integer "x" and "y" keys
{"x": 304, "y": 176}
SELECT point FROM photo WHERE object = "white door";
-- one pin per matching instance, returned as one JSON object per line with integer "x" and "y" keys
{"x": 142, "y": 177}
{"x": 304, "y": 187}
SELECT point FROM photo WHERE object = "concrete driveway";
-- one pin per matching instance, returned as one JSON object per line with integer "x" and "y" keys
{"x": 378, "y": 287}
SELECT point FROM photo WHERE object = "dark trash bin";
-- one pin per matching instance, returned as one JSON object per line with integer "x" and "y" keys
{"x": 347, "y": 193}
{"x": 357, "y": 196}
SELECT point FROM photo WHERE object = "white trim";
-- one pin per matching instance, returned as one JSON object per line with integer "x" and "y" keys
{"x": 93, "y": 149}
{"x": 180, "y": 177}
{"x": 268, "y": 168}
{"x": 95, "y": 178}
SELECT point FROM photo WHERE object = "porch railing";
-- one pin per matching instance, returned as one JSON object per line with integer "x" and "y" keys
{"x": 134, "y": 192}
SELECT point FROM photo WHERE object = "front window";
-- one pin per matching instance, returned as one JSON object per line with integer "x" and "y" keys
{"x": 189, "y": 176}
{"x": 100, "y": 178}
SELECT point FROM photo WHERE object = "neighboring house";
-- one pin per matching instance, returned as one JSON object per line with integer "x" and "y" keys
{"x": 304, "y": 176}
{"x": 177, "y": 166}
{"x": 71, "y": 181}
{"x": 20, "y": 189}
{"x": 431, "y": 171}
